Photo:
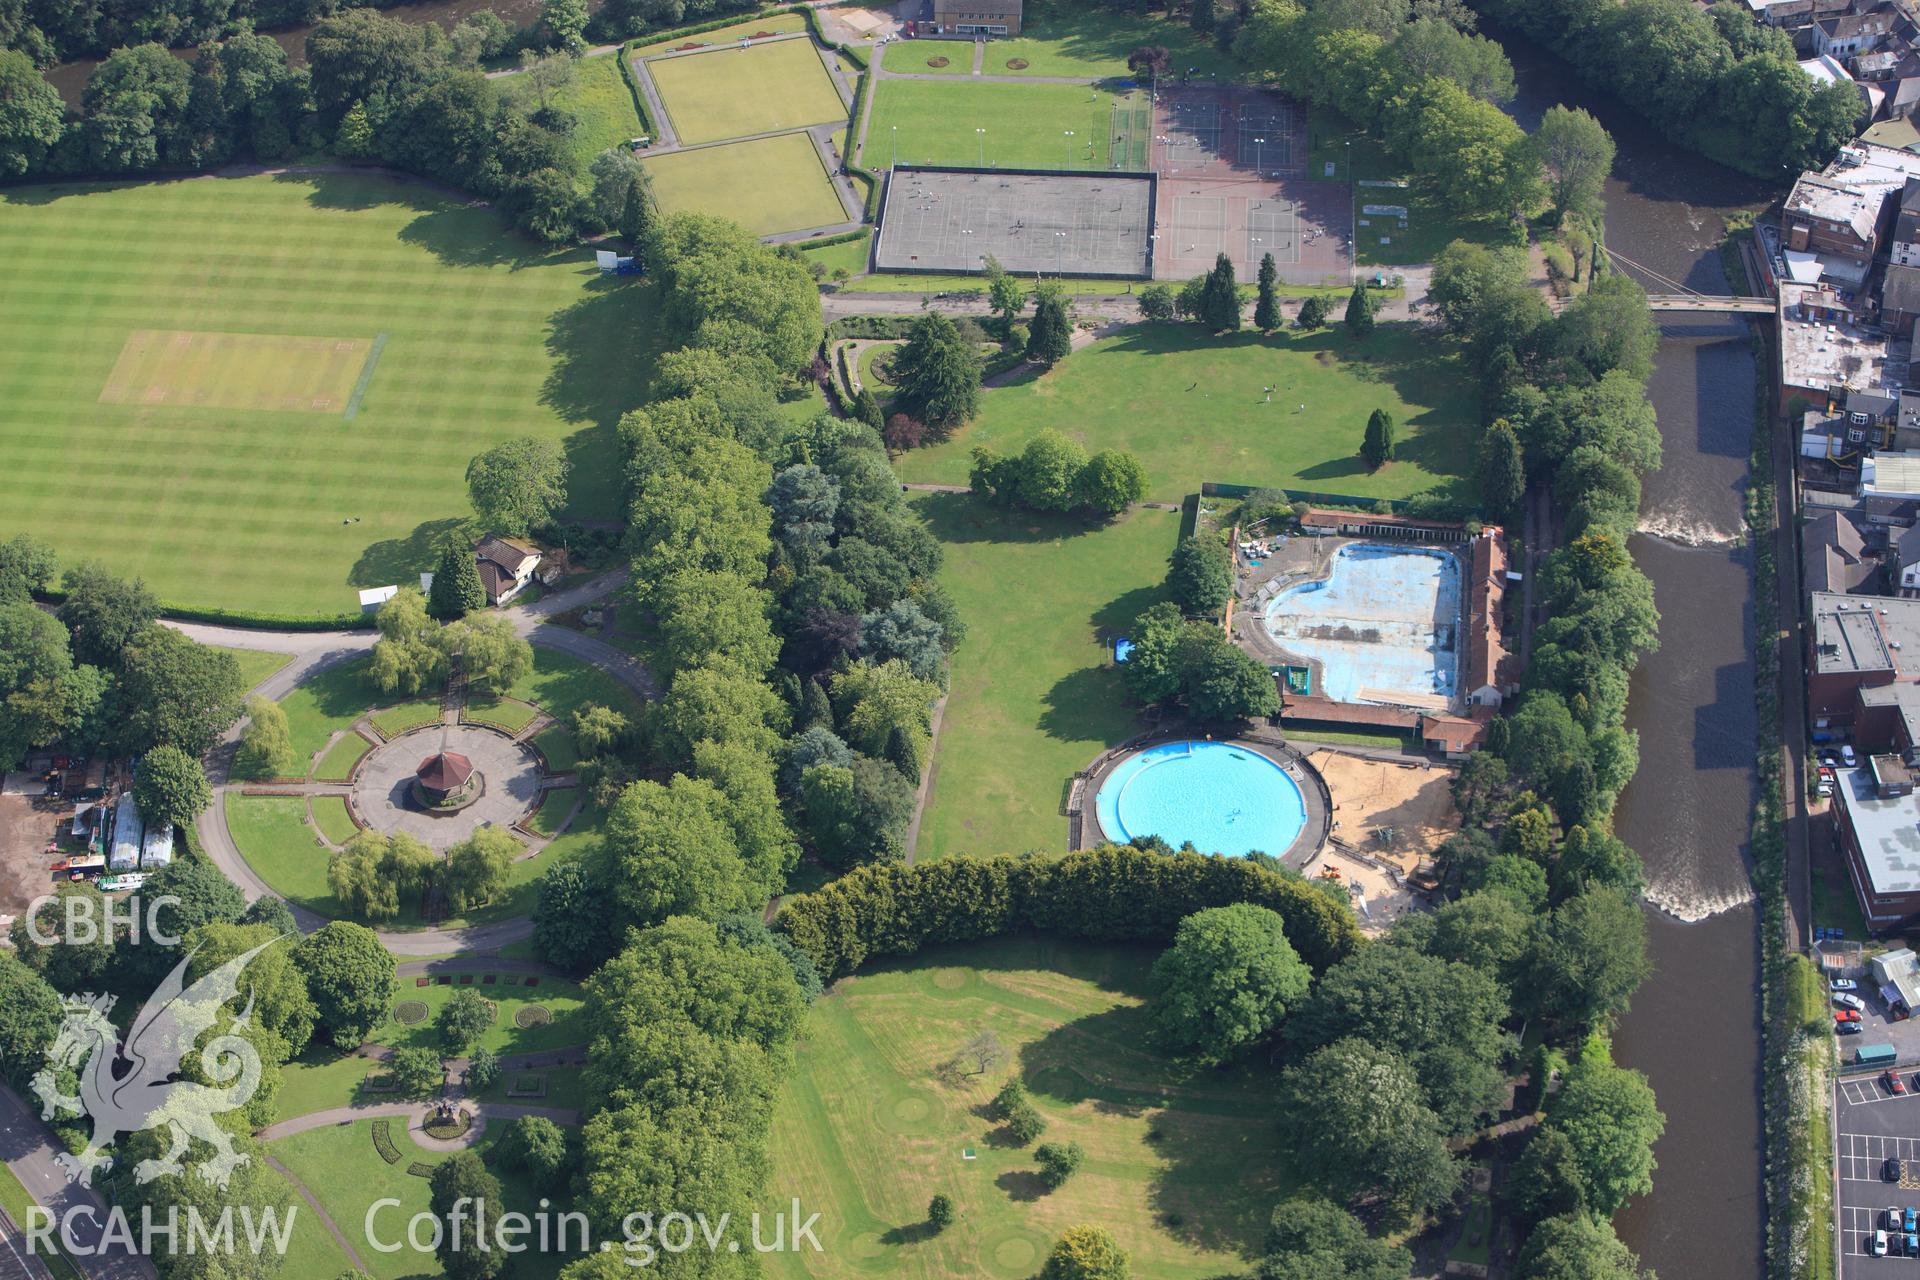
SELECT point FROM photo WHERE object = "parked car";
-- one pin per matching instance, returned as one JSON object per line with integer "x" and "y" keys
{"x": 1894, "y": 1083}
{"x": 1844, "y": 984}
{"x": 1890, "y": 1169}
{"x": 1830, "y": 757}
{"x": 1846, "y": 1015}
{"x": 1909, "y": 1220}
{"x": 1847, "y": 757}
{"x": 1847, "y": 1028}
{"x": 1893, "y": 1217}
{"x": 1846, "y": 1001}
{"x": 1879, "y": 1244}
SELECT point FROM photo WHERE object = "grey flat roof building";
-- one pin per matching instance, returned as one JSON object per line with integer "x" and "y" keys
{"x": 1886, "y": 831}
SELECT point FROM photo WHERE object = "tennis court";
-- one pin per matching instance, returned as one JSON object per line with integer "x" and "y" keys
{"x": 1074, "y": 224}
{"x": 1232, "y": 180}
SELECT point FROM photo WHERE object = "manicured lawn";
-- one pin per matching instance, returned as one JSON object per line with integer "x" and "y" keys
{"x": 324, "y": 705}
{"x": 561, "y": 999}
{"x": 1192, "y": 408}
{"x": 560, "y": 685}
{"x": 397, "y": 719}
{"x": 933, "y": 122}
{"x": 566, "y": 1087}
{"x": 556, "y": 744}
{"x": 273, "y": 835}
{"x": 501, "y": 713}
{"x": 340, "y": 1166}
{"x": 486, "y": 338}
{"x": 1084, "y": 40}
{"x": 870, "y": 375}
{"x": 601, "y": 106}
{"x": 1182, "y": 1168}
{"x": 256, "y": 664}
{"x": 330, "y": 815}
{"x": 771, "y": 24}
{"x": 767, "y": 185}
{"x": 340, "y": 758}
{"x": 553, "y": 810}
{"x": 1033, "y": 696}
{"x": 735, "y": 92}
{"x": 915, "y": 57}
{"x": 319, "y": 1079}
{"x": 851, "y": 255}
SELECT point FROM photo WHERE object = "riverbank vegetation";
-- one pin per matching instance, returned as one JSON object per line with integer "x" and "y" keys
{"x": 1797, "y": 1028}
{"x": 1537, "y": 802}
{"x": 1713, "y": 79}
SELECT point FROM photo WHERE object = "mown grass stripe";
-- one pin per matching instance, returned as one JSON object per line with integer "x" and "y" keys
{"x": 366, "y": 376}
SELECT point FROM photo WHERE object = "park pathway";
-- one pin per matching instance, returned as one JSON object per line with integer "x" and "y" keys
{"x": 315, "y": 651}
{"x": 416, "y": 1114}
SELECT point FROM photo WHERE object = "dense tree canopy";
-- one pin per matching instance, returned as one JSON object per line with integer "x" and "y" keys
{"x": 1226, "y": 982}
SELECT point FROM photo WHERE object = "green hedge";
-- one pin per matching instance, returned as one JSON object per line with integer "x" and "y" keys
{"x": 1114, "y": 893}
{"x": 633, "y": 87}
{"x": 847, "y": 158}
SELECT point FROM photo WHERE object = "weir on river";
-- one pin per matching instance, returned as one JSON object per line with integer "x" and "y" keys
{"x": 1694, "y": 1028}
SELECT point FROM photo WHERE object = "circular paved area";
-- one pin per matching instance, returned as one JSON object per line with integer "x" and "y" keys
{"x": 509, "y": 774}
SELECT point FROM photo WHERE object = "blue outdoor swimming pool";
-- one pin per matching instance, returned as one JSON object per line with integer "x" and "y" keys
{"x": 1220, "y": 797}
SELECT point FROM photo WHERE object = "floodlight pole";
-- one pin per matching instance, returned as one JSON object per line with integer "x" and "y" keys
{"x": 893, "y": 158}
{"x": 1067, "y": 134}
{"x": 983, "y": 147}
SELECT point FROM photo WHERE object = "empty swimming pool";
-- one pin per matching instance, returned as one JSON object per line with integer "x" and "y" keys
{"x": 1383, "y": 625}
{"x": 1219, "y": 797}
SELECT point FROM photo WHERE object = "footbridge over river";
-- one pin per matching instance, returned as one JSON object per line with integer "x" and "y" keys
{"x": 1680, "y": 299}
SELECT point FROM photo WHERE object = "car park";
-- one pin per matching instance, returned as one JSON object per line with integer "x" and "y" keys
{"x": 1846, "y": 1001}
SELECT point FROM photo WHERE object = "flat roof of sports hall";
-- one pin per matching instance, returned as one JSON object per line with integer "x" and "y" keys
{"x": 1064, "y": 224}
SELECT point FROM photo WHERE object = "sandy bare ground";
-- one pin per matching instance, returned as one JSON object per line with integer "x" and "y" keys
{"x": 24, "y": 829}
{"x": 1371, "y": 797}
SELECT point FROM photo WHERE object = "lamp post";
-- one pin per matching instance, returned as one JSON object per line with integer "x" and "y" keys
{"x": 1059, "y": 252}
{"x": 893, "y": 158}
{"x": 983, "y": 147}
{"x": 1353, "y": 219}
{"x": 1259, "y": 155}
{"x": 1067, "y": 148}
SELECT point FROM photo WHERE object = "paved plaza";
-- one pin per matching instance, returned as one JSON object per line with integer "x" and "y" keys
{"x": 509, "y": 783}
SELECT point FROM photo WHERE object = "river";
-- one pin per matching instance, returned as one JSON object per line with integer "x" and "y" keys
{"x": 1694, "y": 1028}
{"x": 70, "y": 78}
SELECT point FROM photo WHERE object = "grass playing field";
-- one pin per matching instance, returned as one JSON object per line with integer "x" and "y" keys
{"x": 736, "y": 93}
{"x": 766, "y": 185}
{"x": 236, "y": 371}
{"x": 768, "y": 24}
{"x": 1194, "y": 408}
{"x": 1182, "y": 1169}
{"x": 934, "y": 122}
{"x": 488, "y": 338}
{"x": 1034, "y": 694}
